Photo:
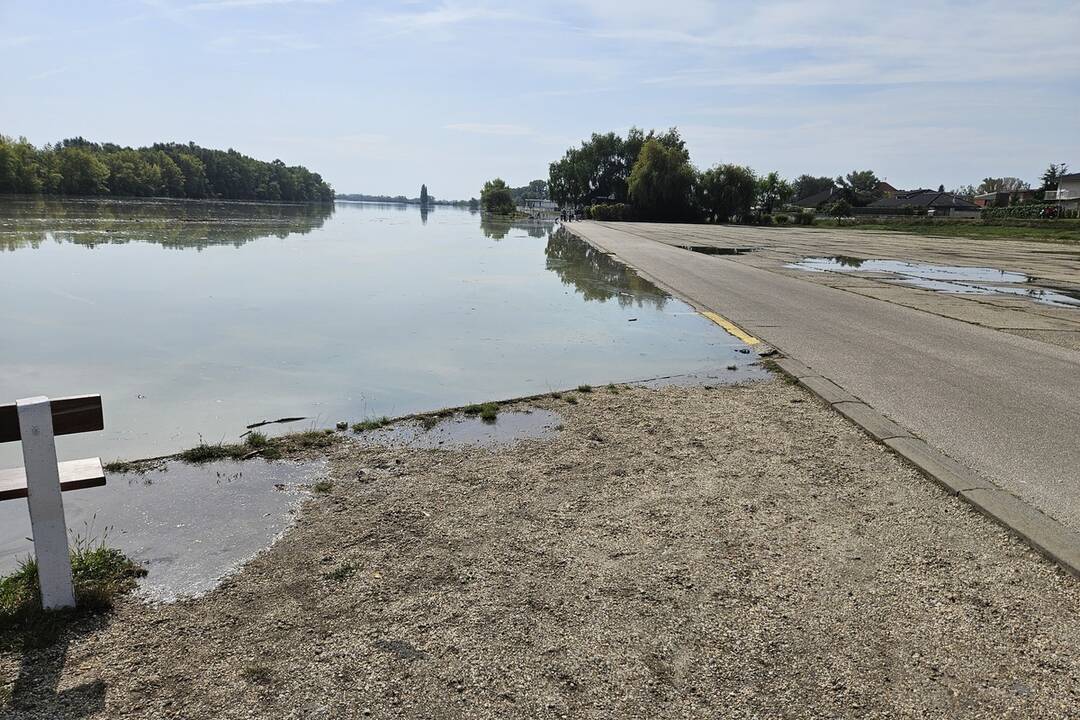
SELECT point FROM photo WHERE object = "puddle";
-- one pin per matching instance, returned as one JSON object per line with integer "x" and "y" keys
{"x": 459, "y": 431}
{"x": 955, "y": 279}
{"x": 714, "y": 250}
{"x": 720, "y": 376}
{"x": 190, "y": 525}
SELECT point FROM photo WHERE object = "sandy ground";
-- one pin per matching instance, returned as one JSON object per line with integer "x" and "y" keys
{"x": 684, "y": 552}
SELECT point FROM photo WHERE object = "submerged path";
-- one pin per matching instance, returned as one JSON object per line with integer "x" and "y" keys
{"x": 1007, "y": 407}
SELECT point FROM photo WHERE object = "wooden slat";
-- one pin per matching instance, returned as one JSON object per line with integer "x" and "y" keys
{"x": 76, "y": 414}
{"x": 74, "y": 475}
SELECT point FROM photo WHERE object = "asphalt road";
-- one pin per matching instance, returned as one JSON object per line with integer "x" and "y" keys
{"x": 1007, "y": 407}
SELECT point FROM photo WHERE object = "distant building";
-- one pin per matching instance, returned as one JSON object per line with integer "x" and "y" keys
{"x": 886, "y": 190}
{"x": 1004, "y": 198}
{"x": 933, "y": 202}
{"x": 540, "y": 204}
{"x": 1067, "y": 195}
{"x": 813, "y": 202}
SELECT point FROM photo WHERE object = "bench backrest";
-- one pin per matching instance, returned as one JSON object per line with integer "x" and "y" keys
{"x": 70, "y": 415}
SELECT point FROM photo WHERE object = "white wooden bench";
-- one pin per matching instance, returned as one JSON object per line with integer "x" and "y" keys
{"x": 35, "y": 422}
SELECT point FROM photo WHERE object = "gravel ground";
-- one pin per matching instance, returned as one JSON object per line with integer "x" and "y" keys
{"x": 738, "y": 552}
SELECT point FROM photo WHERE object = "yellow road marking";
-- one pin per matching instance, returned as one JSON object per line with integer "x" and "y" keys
{"x": 731, "y": 328}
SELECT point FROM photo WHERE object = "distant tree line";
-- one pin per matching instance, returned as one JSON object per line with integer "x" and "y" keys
{"x": 649, "y": 176}
{"x": 79, "y": 167}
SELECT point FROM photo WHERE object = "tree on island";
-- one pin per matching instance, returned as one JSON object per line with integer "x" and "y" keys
{"x": 423, "y": 196}
{"x": 496, "y": 198}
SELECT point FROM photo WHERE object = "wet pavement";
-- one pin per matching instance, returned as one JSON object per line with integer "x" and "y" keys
{"x": 952, "y": 279}
{"x": 189, "y": 525}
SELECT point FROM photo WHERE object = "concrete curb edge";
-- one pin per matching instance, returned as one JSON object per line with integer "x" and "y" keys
{"x": 1046, "y": 535}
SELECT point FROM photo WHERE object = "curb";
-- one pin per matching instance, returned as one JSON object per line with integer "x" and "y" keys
{"x": 1046, "y": 535}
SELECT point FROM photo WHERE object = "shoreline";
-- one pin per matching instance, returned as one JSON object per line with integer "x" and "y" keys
{"x": 730, "y": 552}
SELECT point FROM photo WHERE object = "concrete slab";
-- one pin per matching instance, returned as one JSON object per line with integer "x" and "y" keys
{"x": 794, "y": 368}
{"x": 827, "y": 390}
{"x": 1045, "y": 534}
{"x": 940, "y": 468}
{"x": 871, "y": 420}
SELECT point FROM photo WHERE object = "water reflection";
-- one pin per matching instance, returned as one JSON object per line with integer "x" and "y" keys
{"x": 424, "y": 210}
{"x": 370, "y": 314}
{"x": 497, "y": 228}
{"x": 30, "y": 222}
{"x": 596, "y": 275}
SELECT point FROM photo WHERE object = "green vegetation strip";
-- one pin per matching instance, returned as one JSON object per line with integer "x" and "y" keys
{"x": 100, "y": 574}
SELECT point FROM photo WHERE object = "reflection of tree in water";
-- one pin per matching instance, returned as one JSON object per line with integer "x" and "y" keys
{"x": 497, "y": 228}
{"x": 173, "y": 224}
{"x": 848, "y": 261}
{"x": 424, "y": 210}
{"x": 597, "y": 276}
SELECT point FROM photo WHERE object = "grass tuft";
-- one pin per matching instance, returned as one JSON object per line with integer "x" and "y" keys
{"x": 256, "y": 440}
{"x": 257, "y": 674}
{"x": 322, "y": 487}
{"x": 584, "y": 388}
{"x": 370, "y": 424}
{"x": 341, "y": 573}
{"x": 99, "y": 573}
{"x": 203, "y": 453}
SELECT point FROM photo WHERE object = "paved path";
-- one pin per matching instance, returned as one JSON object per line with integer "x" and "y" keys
{"x": 1006, "y": 406}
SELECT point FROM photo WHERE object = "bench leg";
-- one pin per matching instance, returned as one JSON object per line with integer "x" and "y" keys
{"x": 46, "y": 506}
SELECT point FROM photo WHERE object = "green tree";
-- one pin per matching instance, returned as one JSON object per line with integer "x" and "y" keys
{"x": 1050, "y": 177}
{"x": 81, "y": 172}
{"x": 496, "y": 198}
{"x": 727, "y": 192}
{"x": 860, "y": 187}
{"x": 423, "y": 196}
{"x": 1002, "y": 184}
{"x": 661, "y": 184}
{"x": 773, "y": 192}
{"x": 601, "y": 166}
{"x": 839, "y": 210}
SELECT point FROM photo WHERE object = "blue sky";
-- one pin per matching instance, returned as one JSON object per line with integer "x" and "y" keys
{"x": 380, "y": 97}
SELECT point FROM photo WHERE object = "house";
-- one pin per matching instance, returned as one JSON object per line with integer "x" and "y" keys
{"x": 813, "y": 202}
{"x": 1004, "y": 198}
{"x": 932, "y": 202}
{"x": 886, "y": 190}
{"x": 1067, "y": 195}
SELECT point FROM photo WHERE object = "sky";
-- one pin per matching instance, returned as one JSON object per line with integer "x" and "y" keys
{"x": 380, "y": 97}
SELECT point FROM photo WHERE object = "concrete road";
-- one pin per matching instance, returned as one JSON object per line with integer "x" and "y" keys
{"x": 1006, "y": 406}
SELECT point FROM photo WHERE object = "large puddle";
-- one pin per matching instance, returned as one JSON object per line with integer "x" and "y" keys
{"x": 189, "y": 525}
{"x": 955, "y": 279}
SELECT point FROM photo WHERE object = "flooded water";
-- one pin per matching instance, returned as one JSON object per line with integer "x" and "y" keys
{"x": 188, "y": 524}
{"x": 195, "y": 320}
{"x": 463, "y": 431}
{"x": 954, "y": 279}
